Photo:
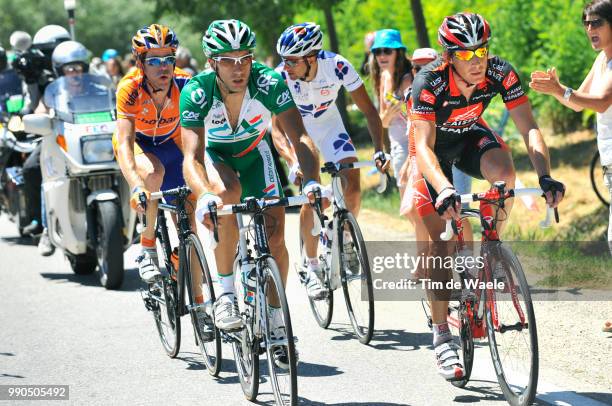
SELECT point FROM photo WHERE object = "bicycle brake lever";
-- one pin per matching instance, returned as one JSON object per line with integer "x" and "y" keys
{"x": 556, "y": 215}
{"x": 317, "y": 225}
{"x": 212, "y": 209}
{"x": 142, "y": 197}
{"x": 447, "y": 235}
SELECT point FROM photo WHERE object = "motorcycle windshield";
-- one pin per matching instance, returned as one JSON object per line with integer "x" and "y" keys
{"x": 76, "y": 97}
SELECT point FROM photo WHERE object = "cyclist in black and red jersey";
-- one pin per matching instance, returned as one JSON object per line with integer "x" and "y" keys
{"x": 448, "y": 99}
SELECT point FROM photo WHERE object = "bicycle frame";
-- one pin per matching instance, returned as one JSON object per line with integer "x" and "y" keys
{"x": 474, "y": 306}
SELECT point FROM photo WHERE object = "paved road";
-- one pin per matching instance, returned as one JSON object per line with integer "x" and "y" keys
{"x": 59, "y": 328}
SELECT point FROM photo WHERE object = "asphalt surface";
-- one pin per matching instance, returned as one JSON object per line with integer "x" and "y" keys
{"x": 58, "y": 328}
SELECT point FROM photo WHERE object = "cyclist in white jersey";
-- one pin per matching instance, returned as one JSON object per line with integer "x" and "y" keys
{"x": 315, "y": 77}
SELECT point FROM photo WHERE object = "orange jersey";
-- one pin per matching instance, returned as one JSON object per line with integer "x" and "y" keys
{"x": 134, "y": 102}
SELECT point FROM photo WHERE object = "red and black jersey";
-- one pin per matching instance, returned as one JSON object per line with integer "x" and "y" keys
{"x": 436, "y": 97}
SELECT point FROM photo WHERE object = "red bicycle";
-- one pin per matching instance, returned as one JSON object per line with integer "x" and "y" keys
{"x": 495, "y": 301}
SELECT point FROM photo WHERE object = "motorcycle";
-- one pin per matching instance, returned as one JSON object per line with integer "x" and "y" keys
{"x": 86, "y": 196}
{"x": 15, "y": 146}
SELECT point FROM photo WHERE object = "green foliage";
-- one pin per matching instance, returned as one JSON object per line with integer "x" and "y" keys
{"x": 531, "y": 34}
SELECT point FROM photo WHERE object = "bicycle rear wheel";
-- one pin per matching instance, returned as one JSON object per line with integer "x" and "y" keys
{"x": 283, "y": 379}
{"x": 511, "y": 328}
{"x": 246, "y": 348}
{"x": 356, "y": 278}
{"x": 211, "y": 349}
{"x": 322, "y": 309}
{"x": 597, "y": 180}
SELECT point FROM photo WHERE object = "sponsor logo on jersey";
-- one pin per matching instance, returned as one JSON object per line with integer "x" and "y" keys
{"x": 510, "y": 80}
{"x": 489, "y": 95}
{"x": 484, "y": 141}
{"x": 427, "y": 97}
{"x": 132, "y": 97}
{"x": 325, "y": 92}
{"x": 283, "y": 98}
{"x": 465, "y": 115}
{"x": 161, "y": 121}
{"x": 314, "y": 110}
{"x": 297, "y": 87}
{"x": 436, "y": 81}
{"x": 341, "y": 69}
{"x": 343, "y": 143}
{"x": 265, "y": 81}
{"x": 198, "y": 97}
{"x": 190, "y": 115}
{"x": 420, "y": 193}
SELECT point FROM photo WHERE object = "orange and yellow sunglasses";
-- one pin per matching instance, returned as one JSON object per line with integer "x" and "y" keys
{"x": 467, "y": 54}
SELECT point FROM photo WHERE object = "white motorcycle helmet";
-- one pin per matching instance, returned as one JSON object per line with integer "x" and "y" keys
{"x": 50, "y": 36}
{"x": 20, "y": 41}
{"x": 70, "y": 52}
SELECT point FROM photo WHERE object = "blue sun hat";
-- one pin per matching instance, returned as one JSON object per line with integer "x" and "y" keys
{"x": 388, "y": 38}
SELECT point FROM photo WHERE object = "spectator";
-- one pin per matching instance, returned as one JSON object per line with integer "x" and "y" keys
{"x": 368, "y": 40}
{"x": 183, "y": 60}
{"x": 595, "y": 92}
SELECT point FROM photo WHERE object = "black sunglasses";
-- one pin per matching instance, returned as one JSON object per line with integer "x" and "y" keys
{"x": 386, "y": 51}
{"x": 596, "y": 23}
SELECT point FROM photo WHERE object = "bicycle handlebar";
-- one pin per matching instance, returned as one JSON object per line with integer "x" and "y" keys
{"x": 448, "y": 233}
{"x": 253, "y": 205}
{"x": 334, "y": 168}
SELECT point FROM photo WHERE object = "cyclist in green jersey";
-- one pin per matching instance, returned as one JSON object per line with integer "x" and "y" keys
{"x": 225, "y": 114}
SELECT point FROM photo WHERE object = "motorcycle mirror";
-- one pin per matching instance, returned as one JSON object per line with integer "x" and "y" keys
{"x": 38, "y": 124}
{"x": 15, "y": 124}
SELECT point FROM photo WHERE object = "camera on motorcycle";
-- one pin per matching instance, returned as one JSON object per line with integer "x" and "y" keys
{"x": 30, "y": 64}
{"x": 38, "y": 124}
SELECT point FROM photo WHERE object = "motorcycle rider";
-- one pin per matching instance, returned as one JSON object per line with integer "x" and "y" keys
{"x": 35, "y": 67}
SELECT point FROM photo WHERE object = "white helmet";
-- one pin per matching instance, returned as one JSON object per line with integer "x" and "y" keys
{"x": 67, "y": 53}
{"x": 300, "y": 40}
{"x": 20, "y": 41}
{"x": 49, "y": 36}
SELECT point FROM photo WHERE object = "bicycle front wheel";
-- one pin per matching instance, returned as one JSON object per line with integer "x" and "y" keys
{"x": 511, "y": 327}
{"x": 246, "y": 346}
{"x": 322, "y": 309}
{"x": 356, "y": 277}
{"x": 164, "y": 294}
{"x": 283, "y": 369}
{"x": 210, "y": 347}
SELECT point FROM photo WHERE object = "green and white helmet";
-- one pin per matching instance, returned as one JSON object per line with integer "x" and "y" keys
{"x": 226, "y": 36}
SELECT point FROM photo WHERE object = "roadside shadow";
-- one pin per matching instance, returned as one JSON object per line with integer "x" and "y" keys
{"x": 308, "y": 369}
{"x": 400, "y": 340}
{"x": 131, "y": 281}
{"x": 85, "y": 280}
{"x": 11, "y": 376}
{"x": 306, "y": 401}
{"x": 605, "y": 398}
{"x": 28, "y": 241}
{"x": 391, "y": 339}
{"x": 488, "y": 391}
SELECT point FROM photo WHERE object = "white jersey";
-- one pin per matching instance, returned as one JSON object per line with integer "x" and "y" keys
{"x": 602, "y": 74}
{"x": 316, "y": 99}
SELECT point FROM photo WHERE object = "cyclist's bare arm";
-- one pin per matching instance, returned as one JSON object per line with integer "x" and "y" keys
{"x": 364, "y": 103}
{"x": 281, "y": 143}
{"x": 534, "y": 141}
{"x": 291, "y": 121}
{"x": 194, "y": 169}
{"x": 427, "y": 162}
{"x": 126, "y": 136}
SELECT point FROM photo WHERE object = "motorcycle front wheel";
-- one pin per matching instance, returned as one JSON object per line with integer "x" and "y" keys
{"x": 109, "y": 244}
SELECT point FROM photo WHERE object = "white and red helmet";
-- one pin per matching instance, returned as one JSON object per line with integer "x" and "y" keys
{"x": 463, "y": 30}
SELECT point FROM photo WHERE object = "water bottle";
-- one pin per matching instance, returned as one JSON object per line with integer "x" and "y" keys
{"x": 247, "y": 270}
{"x": 326, "y": 238}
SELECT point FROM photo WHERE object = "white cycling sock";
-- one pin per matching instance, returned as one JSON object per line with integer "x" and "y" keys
{"x": 441, "y": 334}
{"x": 227, "y": 284}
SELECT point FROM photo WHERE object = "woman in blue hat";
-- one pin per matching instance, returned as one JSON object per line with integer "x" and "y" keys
{"x": 391, "y": 74}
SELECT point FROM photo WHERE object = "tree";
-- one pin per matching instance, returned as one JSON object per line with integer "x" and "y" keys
{"x": 419, "y": 23}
